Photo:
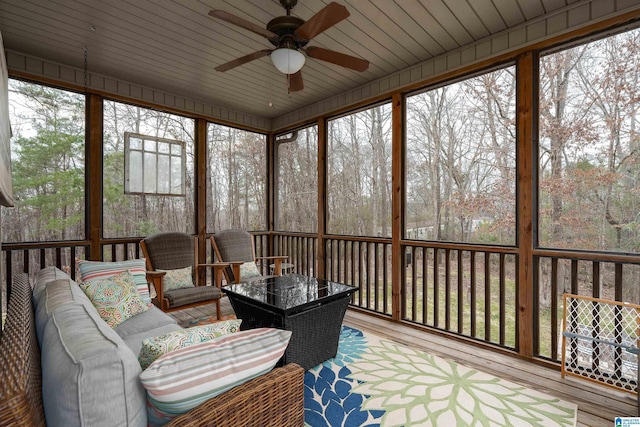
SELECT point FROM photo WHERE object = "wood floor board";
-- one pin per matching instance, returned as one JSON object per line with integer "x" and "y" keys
{"x": 183, "y": 317}
{"x": 597, "y": 405}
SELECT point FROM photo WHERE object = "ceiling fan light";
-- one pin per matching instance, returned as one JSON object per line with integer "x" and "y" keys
{"x": 287, "y": 61}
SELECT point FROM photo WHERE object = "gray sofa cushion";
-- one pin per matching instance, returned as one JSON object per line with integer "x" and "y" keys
{"x": 43, "y": 277}
{"x": 150, "y": 319}
{"x": 148, "y": 324}
{"x": 57, "y": 293}
{"x": 89, "y": 376}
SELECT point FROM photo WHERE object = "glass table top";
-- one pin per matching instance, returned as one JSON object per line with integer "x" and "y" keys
{"x": 290, "y": 291}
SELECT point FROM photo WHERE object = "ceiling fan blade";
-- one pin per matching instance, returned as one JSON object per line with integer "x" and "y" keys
{"x": 243, "y": 23}
{"x": 327, "y": 17}
{"x": 337, "y": 58}
{"x": 243, "y": 60}
{"x": 295, "y": 82}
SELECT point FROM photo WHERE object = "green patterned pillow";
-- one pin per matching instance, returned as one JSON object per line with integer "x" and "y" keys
{"x": 248, "y": 270}
{"x": 177, "y": 279}
{"x": 97, "y": 270}
{"x": 115, "y": 298}
{"x": 154, "y": 347}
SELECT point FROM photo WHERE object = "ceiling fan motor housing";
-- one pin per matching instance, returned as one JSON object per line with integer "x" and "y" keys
{"x": 284, "y": 27}
{"x": 290, "y": 35}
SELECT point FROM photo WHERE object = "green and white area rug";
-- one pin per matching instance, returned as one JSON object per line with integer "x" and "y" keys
{"x": 376, "y": 382}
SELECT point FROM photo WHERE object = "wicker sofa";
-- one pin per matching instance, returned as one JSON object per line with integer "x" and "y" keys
{"x": 273, "y": 399}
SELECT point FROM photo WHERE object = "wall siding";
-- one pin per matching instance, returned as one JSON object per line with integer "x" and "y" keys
{"x": 41, "y": 68}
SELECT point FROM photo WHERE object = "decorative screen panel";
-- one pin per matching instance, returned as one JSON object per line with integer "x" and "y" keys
{"x": 600, "y": 341}
{"x": 154, "y": 165}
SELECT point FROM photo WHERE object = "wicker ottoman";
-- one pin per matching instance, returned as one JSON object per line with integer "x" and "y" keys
{"x": 312, "y": 309}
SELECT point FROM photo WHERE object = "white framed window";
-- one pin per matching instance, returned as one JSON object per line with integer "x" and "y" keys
{"x": 154, "y": 165}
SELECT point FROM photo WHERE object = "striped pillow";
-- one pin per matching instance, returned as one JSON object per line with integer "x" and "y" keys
{"x": 97, "y": 270}
{"x": 185, "y": 378}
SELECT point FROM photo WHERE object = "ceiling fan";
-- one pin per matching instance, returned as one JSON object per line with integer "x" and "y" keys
{"x": 290, "y": 35}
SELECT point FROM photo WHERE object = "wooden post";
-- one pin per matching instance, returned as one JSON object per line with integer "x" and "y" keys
{"x": 397, "y": 202}
{"x": 93, "y": 175}
{"x": 526, "y": 158}
{"x": 271, "y": 153}
{"x": 322, "y": 196}
{"x": 200, "y": 196}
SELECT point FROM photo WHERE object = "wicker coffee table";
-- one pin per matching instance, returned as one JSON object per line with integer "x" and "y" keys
{"x": 312, "y": 309}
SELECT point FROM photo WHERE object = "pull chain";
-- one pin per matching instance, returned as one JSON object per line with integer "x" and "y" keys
{"x": 86, "y": 74}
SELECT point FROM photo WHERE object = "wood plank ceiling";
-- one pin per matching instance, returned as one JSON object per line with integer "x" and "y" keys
{"x": 175, "y": 45}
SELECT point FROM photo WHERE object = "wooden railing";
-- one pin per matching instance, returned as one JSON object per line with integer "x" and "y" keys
{"x": 29, "y": 258}
{"x": 365, "y": 263}
{"x": 302, "y": 249}
{"x": 465, "y": 290}
{"x": 121, "y": 249}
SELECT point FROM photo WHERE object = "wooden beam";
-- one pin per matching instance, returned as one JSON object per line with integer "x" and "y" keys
{"x": 271, "y": 152}
{"x": 322, "y": 196}
{"x": 93, "y": 175}
{"x": 526, "y": 73}
{"x": 397, "y": 202}
{"x": 200, "y": 196}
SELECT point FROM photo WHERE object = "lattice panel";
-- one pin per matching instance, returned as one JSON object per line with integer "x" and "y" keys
{"x": 600, "y": 341}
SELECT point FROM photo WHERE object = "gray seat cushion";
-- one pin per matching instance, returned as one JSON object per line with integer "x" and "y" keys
{"x": 149, "y": 320}
{"x": 180, "y": 297}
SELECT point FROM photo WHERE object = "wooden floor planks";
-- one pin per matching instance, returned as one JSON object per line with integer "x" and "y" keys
{"x": 597, "y": 405}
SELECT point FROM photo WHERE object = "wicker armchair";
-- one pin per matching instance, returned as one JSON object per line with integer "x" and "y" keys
{"x": 174, "y": 250}
{"x": 236, "y": 247}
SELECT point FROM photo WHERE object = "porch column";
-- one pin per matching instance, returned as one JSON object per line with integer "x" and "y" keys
{"x": 322, "y": 196}
{"x": 271, "y": 153}
{"x": 201, "y": 190}
{"x": 397, "y": 202}
{"x": 93, "y": 175}
{"x": 526, "y": 70}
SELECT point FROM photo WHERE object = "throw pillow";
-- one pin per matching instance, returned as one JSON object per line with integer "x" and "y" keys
{"x": 248, "y": 270}
{"x": 154, "y": 347}
{"x": 96, "y": 270}
{"x": 181, "y": 380}
{"x": 116, "y": 298}
{"x": 177, "y": 279}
